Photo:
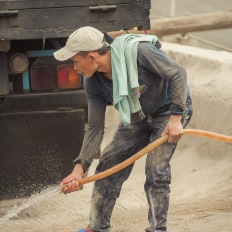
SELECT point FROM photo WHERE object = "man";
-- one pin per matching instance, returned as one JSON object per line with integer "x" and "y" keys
{"x": 165, "y": 109}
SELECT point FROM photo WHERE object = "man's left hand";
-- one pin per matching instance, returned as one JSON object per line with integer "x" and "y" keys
{"x": 174, "y": 128}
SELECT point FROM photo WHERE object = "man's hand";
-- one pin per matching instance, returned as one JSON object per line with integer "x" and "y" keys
{"x": 70, "y": 183}
{"x": 174, "y": 128}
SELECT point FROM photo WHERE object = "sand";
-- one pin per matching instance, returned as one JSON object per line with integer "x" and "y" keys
{"x": 201, "y": 197}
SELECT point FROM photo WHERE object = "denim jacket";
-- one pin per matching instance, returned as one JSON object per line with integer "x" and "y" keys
{"x": 163, "y": 90}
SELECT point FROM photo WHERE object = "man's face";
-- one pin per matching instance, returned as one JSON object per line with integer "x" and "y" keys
{"x": 85, "y": 65}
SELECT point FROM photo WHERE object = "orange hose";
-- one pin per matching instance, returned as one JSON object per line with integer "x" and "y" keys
{"x": 149, "y": 148}
{"x": 208, "y": 134}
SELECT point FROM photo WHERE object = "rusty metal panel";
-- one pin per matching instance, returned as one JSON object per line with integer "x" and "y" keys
{"x": 37, "y": 149}
{"x": 38, "y": 19}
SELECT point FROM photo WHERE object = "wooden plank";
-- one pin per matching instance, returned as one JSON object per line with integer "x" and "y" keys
{"x": 184, "y": 24}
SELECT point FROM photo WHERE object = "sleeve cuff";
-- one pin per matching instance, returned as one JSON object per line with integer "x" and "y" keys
{"x": 177, "y": 110}
{"x": 84, "y": 164}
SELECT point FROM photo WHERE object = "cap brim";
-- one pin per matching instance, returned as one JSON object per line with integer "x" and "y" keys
{"x": 63, "y": 54}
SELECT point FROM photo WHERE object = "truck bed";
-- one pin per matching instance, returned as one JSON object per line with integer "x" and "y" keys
{"x": 27, "y": 19}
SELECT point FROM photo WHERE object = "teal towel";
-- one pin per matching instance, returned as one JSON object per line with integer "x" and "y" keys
{"x": 125, "y": 74}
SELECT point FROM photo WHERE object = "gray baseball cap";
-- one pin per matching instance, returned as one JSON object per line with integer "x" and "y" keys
{"x": 83, "y": 39}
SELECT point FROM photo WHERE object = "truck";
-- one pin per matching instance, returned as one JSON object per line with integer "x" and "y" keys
{"x": 43, "y": 109}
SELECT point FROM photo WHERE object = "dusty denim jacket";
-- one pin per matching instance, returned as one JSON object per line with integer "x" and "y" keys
{"x": 163, "y": 89}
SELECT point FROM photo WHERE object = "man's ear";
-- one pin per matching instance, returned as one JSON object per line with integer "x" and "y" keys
{"x": 92, "y": 56}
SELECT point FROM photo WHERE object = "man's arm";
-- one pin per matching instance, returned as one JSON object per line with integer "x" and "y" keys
{"x": 95, "y": 130}
{"x": 159, "y": 63}
{"x": 91, "y": 143}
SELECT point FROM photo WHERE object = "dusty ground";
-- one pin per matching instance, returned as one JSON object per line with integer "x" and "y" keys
{"x": 201, "y": 197}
